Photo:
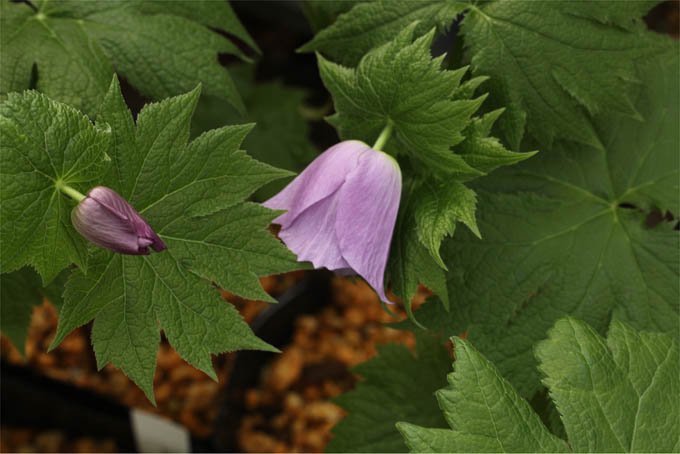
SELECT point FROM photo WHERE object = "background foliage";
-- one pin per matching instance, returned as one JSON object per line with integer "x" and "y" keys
{"x": 70, "y": 49}
{"x": 586, "y": 228}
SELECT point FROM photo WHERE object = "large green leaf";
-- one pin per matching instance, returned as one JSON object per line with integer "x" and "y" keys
{"x": 192, "y": 194}
{"x": 565, "y": 233}
{"x": 369, "y": 24}
{"x": 438, "y": 141}
{"x": 410, "y": 263}
{"x": 73, "y": 47}
{"x": 619, "y": 394}
{"x": 555, "y": 63}
{"x": 401, "y": 85}
{"x": 44, "y": 144}
{"x": 614, "y": 395}
{"x": 552, "y": 63}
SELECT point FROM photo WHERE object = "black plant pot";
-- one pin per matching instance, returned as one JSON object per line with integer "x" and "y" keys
{"x": 29, "y": 399}
{"x": 274, "y": 325}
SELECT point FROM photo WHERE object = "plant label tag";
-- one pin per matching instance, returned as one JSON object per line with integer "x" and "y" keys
{"x": 155, "y": 434}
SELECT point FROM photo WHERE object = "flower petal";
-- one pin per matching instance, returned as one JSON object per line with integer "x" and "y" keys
{"x": 107, "y": 219}
{"x": 311, "y": 235}
{"x": 367, "y": 209}
{"x": 95, "y": 222}
{"x": 110, "y": 199}
{"x": 319, "y": 180}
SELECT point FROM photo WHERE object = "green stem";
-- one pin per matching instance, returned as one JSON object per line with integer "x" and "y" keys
{"x": 69, "y": 191}
{"x": 383, "y": 137}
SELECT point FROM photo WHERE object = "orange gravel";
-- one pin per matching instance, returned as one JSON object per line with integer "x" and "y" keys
{"x": 289, "y": 410}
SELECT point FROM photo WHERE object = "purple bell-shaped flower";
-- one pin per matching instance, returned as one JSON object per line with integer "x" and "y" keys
{"x": 109, "y": 221}
{"x": 341, "y": 211}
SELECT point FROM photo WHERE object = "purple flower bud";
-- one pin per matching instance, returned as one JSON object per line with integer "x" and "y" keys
{"x": 109, "y": 221}
{"x": 341, "y": 211}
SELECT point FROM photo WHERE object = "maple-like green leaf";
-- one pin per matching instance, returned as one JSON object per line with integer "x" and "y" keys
{"x": 565, "y": 233}
{"x": 614, "y": 395}
{"x": 484, "y": 412}
{"x": 438, "y": 141}
{"x": 399, "y": 84}
{"x": 280, "y": 136}
{"x": 620, "y": 394}
{"x": 192, "y": 195}
{"x": 217, "y": 15}
{"x": 395, "y": 386}
{"x": 72, "y": 47}
{"x": 552, "y": 63}
{"x": 20, "y": 291}
{"x": 370, "y": 24}
{"x": 43, "y": 144}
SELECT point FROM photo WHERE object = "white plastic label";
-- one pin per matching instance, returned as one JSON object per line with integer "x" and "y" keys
{"x": 155, "y": 434}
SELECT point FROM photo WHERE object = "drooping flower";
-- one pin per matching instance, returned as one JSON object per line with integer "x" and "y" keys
{"x": 341, "y": 211}
{"x": 109, "y": 221}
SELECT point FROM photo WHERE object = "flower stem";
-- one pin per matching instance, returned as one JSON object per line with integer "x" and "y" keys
{"x": 383, "y": 137}
{"x": 69, "y": 191}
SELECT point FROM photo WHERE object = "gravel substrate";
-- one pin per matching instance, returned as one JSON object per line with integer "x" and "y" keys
{"x": 288, "y": 410}
{"x": 13, "y": 439}
{"x": 183, "y": 393}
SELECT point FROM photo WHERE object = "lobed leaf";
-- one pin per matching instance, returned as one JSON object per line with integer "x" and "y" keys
{"x": 401, "y": 85}
{"x": 566, "y": 233}
{"x": 192, "y": 194}
{"x": 484, "y": 412}
{"x": 440, "y": 207}
{"x": 19, "y": 292}
{"x": 615, "y": 395}
{"x": 552, "y": 64}
{"x": 439, "y": 142}
{"x": 612, "y": 396}
{"x": 43, "y": 144}
{"x": 73, "y": 47}
{"x": 410, "y": 263}
{"x": 370, "y": 24}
